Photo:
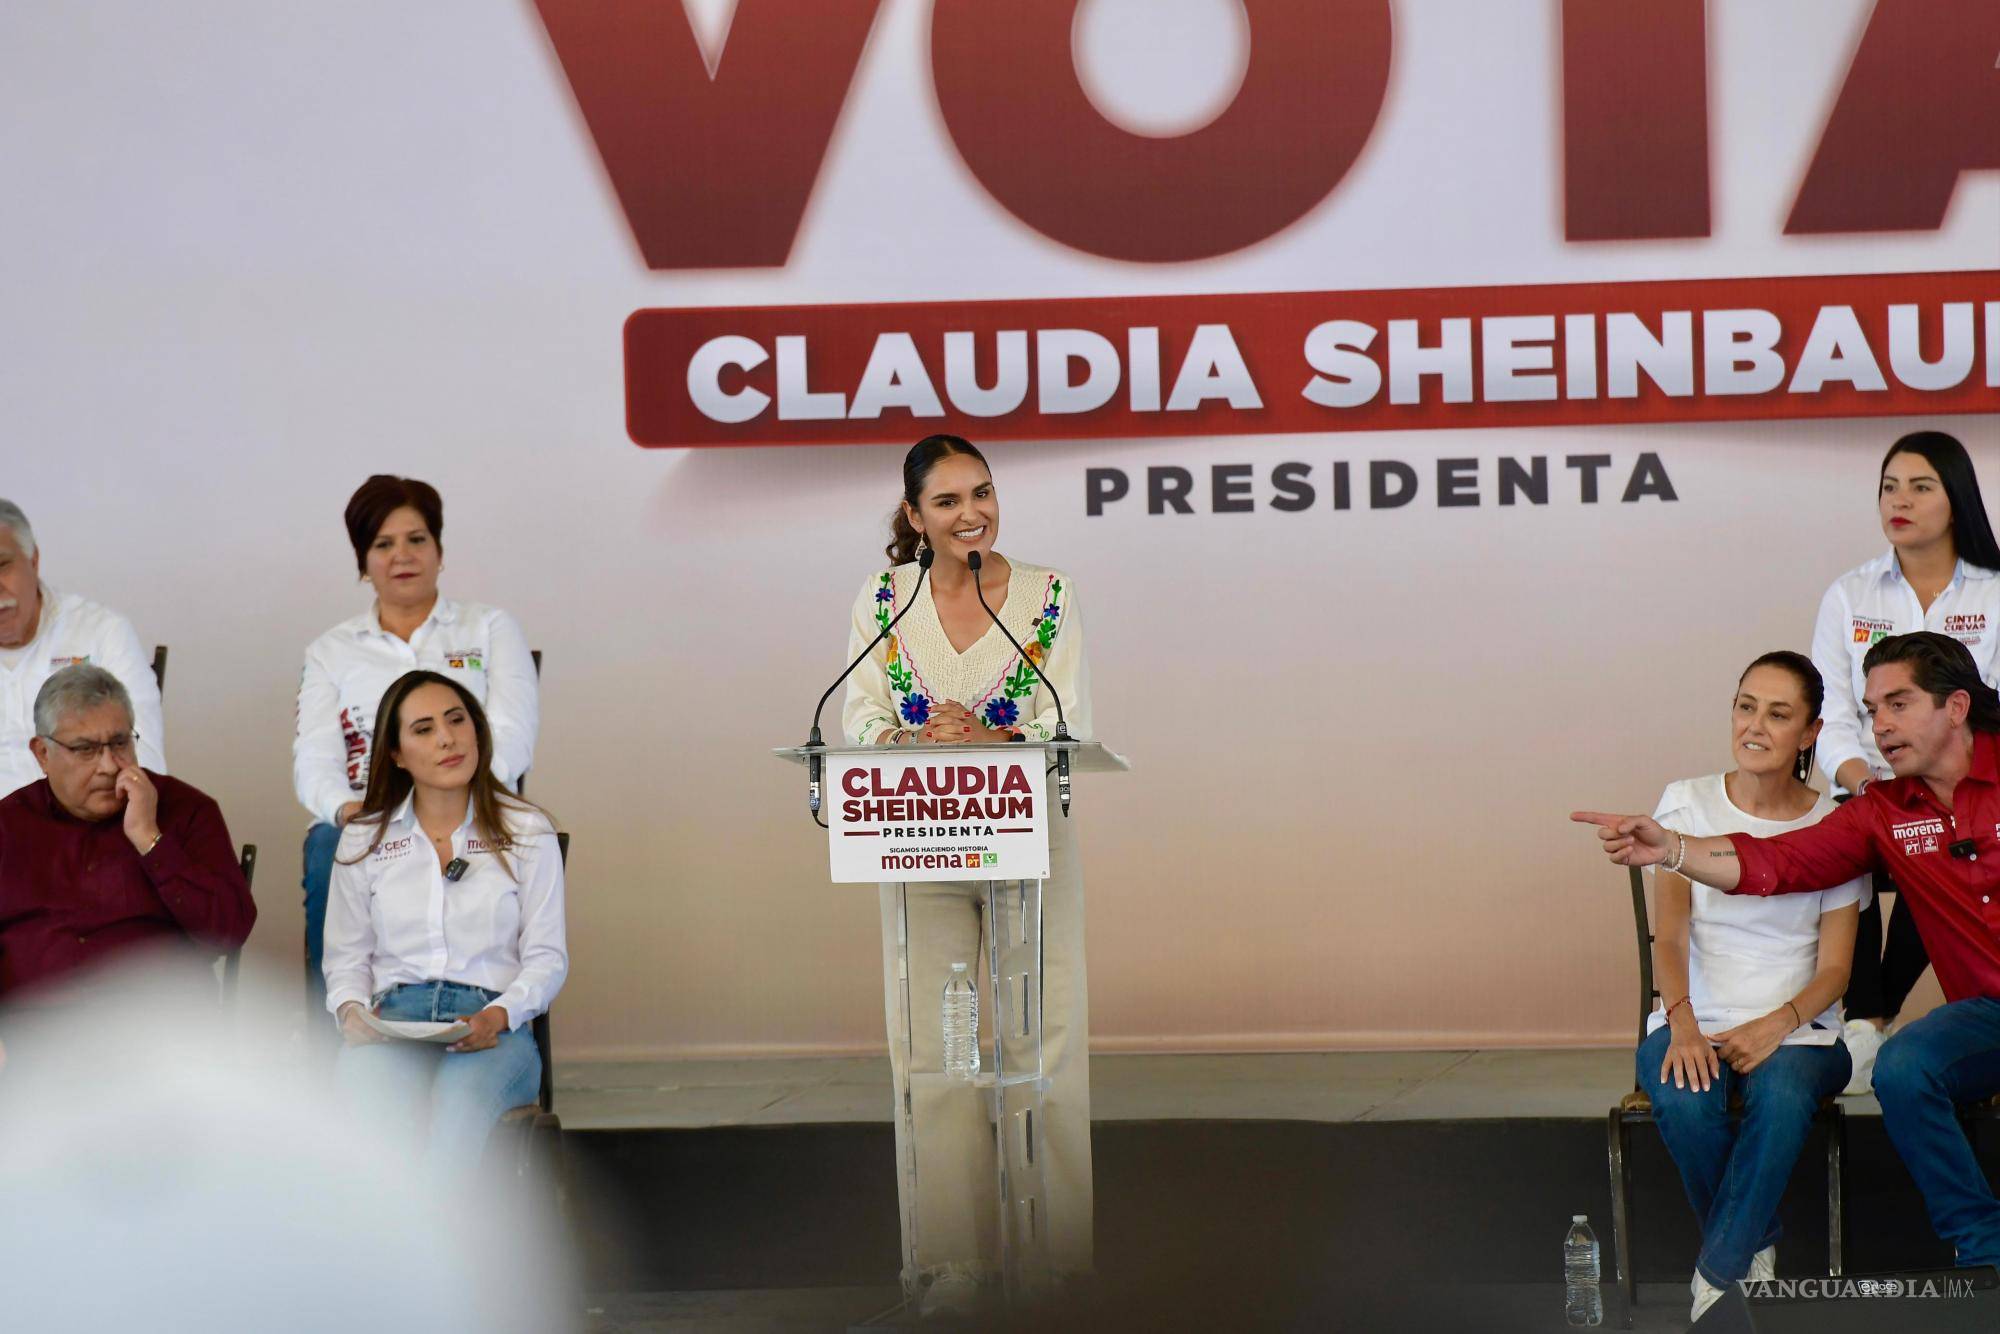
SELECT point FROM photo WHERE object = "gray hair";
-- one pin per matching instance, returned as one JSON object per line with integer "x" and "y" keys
{"x": 11, "y": 517}
{"x": 77, "y": 688}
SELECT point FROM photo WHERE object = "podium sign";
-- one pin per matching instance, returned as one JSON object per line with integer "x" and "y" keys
{"x": 899, "y": 815}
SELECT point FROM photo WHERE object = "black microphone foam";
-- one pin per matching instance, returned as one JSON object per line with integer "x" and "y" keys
{"x": 814, "y": 742}
{"x": 973, "y": 561}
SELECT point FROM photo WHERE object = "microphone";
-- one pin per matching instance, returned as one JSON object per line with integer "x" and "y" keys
{"x": 814, "y": 743}
{"x": 455, "y": 868}
{"x": 1965, "y": 849}
{"x": 973, "y": 562}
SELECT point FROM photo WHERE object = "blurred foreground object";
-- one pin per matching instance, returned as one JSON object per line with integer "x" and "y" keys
{"x": 170, "y": 1171}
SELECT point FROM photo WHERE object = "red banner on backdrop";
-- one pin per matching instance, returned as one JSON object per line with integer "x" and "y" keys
{"x": 1304, "y": 362}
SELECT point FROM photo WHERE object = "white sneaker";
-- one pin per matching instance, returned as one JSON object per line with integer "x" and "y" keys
{"x": 953, "y": 1293}
{"x": 1706, "y": 1294}
{"x": 1764, "y": 1265}
{"x": 1863, "y": 1040}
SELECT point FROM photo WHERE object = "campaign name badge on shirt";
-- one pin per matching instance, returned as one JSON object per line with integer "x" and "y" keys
{"x": 1869, "y": 629}
{"x": 393, "y": 848}
{"x": 1966, "y": 627}
{"x": 1917, "y": 836}
{"x": 57, "y": 664}
{"x": 466, "y": 658}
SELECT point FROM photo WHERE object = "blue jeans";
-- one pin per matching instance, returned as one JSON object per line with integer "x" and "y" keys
{"x": 454, "y": 1097}
{"x": 321, "y": 841}
{"x": 1949, "y": 1056}
{"x": 1735, "y": 1173}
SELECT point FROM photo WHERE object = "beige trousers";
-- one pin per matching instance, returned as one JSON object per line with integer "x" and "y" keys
{"x": 947, "y": 1182}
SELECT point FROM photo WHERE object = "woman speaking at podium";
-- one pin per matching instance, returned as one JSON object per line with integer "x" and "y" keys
{"x": 947, "y": 675}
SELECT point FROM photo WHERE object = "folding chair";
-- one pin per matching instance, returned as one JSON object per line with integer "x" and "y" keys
{"x": 1636, "y": 1108}
{"x": 231, "y": 964}
{"x": 540, "y": 1139}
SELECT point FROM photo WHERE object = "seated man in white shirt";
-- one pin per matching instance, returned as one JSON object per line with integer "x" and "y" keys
{"x": 42, "y": 632}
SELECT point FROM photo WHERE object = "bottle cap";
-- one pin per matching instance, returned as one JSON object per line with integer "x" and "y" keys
{"x": 1579, "y": 1218}
{"x": 958, "y": 968}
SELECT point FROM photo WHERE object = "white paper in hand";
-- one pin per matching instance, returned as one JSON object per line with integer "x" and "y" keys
{"x": 410, "y": 1030}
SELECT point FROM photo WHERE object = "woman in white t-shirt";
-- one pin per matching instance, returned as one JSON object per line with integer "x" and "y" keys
{"x": 1751, "y": 985}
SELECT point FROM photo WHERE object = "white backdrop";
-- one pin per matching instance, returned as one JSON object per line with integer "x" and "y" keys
{"x": 257, "y": 252}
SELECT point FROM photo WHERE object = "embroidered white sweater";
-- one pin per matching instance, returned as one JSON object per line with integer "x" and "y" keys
{"x": 916, "y": 667}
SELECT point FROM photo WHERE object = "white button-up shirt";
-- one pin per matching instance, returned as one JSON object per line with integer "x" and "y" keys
{"x": 350, "y": 666}
{"x": 1870, "y": 603}
{"x": 74, "y": 629}
{"x": 392, "y": 917}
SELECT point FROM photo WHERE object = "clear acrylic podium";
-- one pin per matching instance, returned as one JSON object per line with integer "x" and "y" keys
{"x": 1011, "y": 1069}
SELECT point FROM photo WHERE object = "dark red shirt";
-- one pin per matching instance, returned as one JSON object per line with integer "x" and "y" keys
{"x": 1899, "y": 826}
{"x": 73, "y": 891}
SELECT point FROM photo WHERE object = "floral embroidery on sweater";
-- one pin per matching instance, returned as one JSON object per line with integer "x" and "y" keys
{"x": 914, "y": 706}
{"x": 1000, "y": 706}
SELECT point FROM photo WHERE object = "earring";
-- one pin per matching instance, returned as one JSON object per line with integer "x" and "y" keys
{"x": 923, "y": 540}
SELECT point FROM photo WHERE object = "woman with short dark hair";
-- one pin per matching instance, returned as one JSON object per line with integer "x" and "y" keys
{"x": 396, "y": 527}
{"x": 1941, "y": 572}
{"x": 1750, "y": 986}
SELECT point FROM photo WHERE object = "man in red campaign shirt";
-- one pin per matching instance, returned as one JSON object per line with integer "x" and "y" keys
{"x": 1935, "y": 828}
{"x": 101, "y": 856}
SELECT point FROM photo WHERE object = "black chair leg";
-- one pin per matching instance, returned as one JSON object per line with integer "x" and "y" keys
{"x": 1836, "y": 1203}
{"x": 1618, "y": 1147}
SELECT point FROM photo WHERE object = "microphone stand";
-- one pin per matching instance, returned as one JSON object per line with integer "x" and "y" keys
{"x": 973, "y": 561}
{"x": 814, "y": 743}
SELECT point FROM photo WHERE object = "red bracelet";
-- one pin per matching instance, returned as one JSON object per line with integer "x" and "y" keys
{"x": 1677, "y": 1005}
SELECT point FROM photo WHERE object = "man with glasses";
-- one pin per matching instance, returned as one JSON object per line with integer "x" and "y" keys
{"x": 100, "y": 855}
{"x": 42, "y": 631}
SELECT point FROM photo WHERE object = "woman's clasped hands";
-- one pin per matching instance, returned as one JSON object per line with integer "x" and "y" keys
{"x": 1694, "y": 1059}
{"x": 952, "y": 724}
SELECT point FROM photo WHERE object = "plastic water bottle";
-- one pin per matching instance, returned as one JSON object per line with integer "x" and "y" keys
{"x": 961, "y": 1024}
{"x": 1583, "y": 1304}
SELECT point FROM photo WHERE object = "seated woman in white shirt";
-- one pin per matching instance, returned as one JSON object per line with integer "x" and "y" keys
{"x": 1751, "y": 985}
{"x": 396, "y": 527}
{"x": 446, "y": 903}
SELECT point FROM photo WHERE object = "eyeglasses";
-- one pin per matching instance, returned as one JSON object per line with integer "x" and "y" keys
{"x": 120, "y": 746}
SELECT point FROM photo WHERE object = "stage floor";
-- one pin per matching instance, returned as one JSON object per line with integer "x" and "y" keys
{"x": 1375, "y": 1191}
{"x": 1297, "y": 1086}
{"x": 1487, "y": 1309}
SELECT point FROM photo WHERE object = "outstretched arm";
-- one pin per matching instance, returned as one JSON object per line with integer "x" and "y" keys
{"x": 1640, "y": 840}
